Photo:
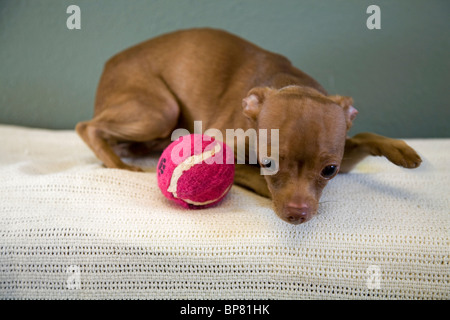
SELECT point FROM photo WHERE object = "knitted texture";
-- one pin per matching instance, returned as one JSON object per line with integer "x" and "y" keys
{"x": 196, "y": 171}
{"x": 70, "y": 228}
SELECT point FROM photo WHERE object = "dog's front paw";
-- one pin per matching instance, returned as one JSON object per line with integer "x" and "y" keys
{"x": 399, "y": 153}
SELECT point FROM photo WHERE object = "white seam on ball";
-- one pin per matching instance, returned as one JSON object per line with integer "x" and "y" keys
{"x": 209, "y": 201}
{"x": 186, "y": 165}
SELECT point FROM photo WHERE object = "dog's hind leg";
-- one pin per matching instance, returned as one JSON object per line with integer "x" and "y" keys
{"x": 249, "y": 177}
{"x": 141, "y": 118}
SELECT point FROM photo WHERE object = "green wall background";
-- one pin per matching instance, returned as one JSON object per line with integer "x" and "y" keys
{"x": 399, "y": 76}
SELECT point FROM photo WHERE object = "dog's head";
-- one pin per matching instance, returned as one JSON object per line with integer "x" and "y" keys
{"x": 311, "y": 139}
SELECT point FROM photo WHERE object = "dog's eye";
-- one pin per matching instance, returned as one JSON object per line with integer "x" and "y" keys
{"x": 329, "y": 171}
{"x": 266, "y": 162}
{"x": 269, "y": 166}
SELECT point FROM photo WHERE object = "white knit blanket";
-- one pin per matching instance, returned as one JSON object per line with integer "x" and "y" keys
{"x": 70, "y": 228}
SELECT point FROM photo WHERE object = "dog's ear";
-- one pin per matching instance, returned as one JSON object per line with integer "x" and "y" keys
{"x": 346, "y": 103}
{"x": 252, "y": 103}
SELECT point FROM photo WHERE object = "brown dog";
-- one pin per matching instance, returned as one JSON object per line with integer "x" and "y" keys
{"x": 208, "y": 75}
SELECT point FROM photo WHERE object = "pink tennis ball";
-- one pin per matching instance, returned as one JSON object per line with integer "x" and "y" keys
{"x": 196, "y": 171}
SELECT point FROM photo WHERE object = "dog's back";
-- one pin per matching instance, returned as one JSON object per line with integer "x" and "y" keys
{"x": 206, "y": 69}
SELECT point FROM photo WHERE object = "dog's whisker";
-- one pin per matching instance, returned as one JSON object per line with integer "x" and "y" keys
{"x": 321, "y": 202}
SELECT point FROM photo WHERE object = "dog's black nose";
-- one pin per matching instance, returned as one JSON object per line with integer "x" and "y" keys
{"x": 298, "y": 214}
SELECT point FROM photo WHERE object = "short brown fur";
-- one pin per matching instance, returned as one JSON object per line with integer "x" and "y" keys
{"x": 208, "y": 75}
